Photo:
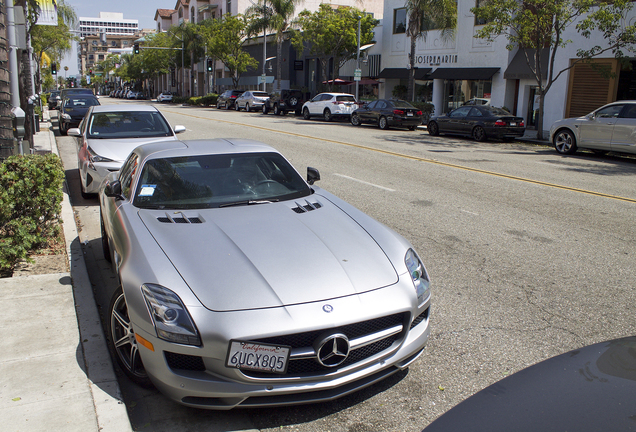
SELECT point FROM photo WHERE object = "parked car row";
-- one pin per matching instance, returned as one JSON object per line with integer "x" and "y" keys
{"x": 127, "y": 94}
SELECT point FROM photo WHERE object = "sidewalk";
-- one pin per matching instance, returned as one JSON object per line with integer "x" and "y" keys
{"x": 55, "y": 370}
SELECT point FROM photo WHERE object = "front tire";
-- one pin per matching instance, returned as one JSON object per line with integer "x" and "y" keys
{"x": 306, "y": 115}
{"x": 433, "y": 129}
{"x": 355, "y": 120}
{"x": 479, "y": 134}
{"x": 383, "y": 123}
{"x": 564, "y": 142}
{"x": 237, "y": 107}
{"x": 122, "y": 340}
{"x": 276, "y": 110}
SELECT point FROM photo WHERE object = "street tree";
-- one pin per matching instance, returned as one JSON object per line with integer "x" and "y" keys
{"x": 333, "y": 33}
{"x": 157, "y": 61}
{"x": 536, "y": 25}
{"x": 225, "y": 38}
{"x": 273, "y": 15}
{"x": 54, "y": 41}
{"x": 189, "y": 36}
{"x": 425, "y": 16}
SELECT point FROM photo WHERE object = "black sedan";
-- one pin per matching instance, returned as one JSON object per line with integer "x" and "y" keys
{"x": 480, "y": 122}
{"x": 72, "y": 110}
{"x": 388, "y": 112}
{"x": 54, "y": 98}
{"x": 227, "y": 99}
{"x": 589, "y": 389}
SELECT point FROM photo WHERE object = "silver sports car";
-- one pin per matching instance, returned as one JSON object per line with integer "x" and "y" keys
{"x": 107, "y": 135}
{"x": 242, "y": 284}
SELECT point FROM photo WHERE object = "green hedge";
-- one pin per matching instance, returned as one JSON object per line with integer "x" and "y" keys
{"x": 207, "y": 100}
{"x": 30, "y": 205}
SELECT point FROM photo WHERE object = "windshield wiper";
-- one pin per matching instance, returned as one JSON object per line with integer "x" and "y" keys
{"x": 250, "y": 202}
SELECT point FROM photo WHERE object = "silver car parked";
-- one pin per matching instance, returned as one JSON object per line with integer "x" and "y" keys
{"x": 251, "y": 100}
{"x": 244, "y": 285}
{"x": 610, "y": 128}
{"x": 107, "y": 135}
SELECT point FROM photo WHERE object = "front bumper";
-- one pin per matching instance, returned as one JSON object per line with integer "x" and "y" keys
{"x": 198, "y": 377}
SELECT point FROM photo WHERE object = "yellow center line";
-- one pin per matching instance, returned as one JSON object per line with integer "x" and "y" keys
{"x": 421, "y": 159}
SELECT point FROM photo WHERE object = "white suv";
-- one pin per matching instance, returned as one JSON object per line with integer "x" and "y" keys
{"x": 330, "y": 105}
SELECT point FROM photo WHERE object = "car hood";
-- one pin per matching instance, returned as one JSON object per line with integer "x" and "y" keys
{"x": 588, "y": 389}
{"x": 119, "y": 149}
{"x": 268, "y": 255}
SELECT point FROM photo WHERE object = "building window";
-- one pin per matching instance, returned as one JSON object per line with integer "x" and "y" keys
{"x": 228, "y": 6}
{"x": 399, "y": 20}
{"x": 479, "y": 21}
{"x": 180, "y": 12}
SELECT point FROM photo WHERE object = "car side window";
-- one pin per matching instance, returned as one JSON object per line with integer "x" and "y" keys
{"x": 609, "y": 112}
{"x": 381, "y": 105}
{"x": 372, "y": 105}
{"x": 127, "y": 173}
{"x": 460, "y": 112}
{"x": 475, "y": 113}
{"x": 629, "y": 111}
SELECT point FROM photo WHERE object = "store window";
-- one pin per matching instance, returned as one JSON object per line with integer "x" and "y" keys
{"x": 460, "y": 92}
{"x": 399, "y": 21}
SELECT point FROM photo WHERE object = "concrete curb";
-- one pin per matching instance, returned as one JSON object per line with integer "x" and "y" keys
{"x": 110, "y": 410}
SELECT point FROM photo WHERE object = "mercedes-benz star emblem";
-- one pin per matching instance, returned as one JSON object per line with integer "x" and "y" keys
{"x": 327, "y": 308}
{"x": 332, "y": 350}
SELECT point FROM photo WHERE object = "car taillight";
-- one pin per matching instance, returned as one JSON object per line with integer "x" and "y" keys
{"x": 232, "y": 97}
{"x": 398, "y": 112}
{"x": 500, "y": 123}
{"x": 522, "y": 124}
{"x": 419, "y": 113}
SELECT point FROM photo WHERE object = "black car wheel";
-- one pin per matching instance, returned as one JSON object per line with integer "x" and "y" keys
{"x": 327, "y": 115}
{"x": 247, "y": 107}
{"x": 122, "y": 340}
{"x": 105, "y": 245}
{"x": 227, "y": 106}
{"x": 411, "y": 128}
{"x": 355, "y": 119}
{"x": 479, "y": 134}
{"x": 237, "y": 107}
{"x": 433, "y": 129}
{"x": 265, "y": 110}
{"x": 383, "y": 123}
{"x": 306, "y": 115}
{"x": 63, "y": 129}
{"x": 564, "y": 142}
{"x": 276, "y": 110}
{"x": 218, "y": 106}
{"x": 293, "y": 101}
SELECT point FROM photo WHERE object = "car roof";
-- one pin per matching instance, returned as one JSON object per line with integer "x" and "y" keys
{"x": 175, "y": 148}
{"x": 124, "y": 108}
{"x": 337, "y": 94}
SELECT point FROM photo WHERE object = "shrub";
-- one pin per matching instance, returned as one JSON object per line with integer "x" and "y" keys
{"x": 427, "y": 110}
{"x": 30, "y": 205}
{"x": 180, "y": 99}
{"x": 209, "y": 99}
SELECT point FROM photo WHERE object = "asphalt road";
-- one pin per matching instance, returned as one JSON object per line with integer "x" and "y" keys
{"x": 531, "y": 254}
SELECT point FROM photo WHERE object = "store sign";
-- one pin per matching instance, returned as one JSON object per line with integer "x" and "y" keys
{"x": 436, "y": 60}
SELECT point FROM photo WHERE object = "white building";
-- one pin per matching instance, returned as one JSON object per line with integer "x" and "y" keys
{"x": 111, "y": 23}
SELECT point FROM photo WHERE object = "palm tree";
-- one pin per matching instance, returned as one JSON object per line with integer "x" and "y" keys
{"x": 273, "y": 15}
{"x": 424, "y": 16}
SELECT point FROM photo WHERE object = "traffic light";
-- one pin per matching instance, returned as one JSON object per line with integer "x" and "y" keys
{"x": 210, "y": 66}
{"x": 54, "y": 68}
{"x": 136, "y": 48}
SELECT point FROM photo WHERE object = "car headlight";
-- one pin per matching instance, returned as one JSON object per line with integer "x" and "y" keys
{"x": 169, "y": 316}
{"x": 97, "y": 158}
{"x": 66, "y": 116}
{"x": 418, "y": 273}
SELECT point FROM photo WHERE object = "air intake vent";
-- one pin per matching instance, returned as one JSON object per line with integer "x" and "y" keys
{"x": 304, "y": 208}
{"x": 181, "y": 219}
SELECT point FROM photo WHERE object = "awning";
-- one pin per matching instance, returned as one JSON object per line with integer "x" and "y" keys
{"x": 519, "y": 69}
{"x": 403, "y": 73}
{"x": 464, "y": 73}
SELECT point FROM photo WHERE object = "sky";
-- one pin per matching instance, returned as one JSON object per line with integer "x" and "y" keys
{"x": 141, "y": 10}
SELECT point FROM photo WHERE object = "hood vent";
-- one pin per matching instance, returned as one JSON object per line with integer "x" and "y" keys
{"x": 180, "y": 219}
{"x": 304, "y": 208}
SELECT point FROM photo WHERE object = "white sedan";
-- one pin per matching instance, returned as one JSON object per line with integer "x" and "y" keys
{"x": 109, "y": 133}
{"x": 165, "y": 97}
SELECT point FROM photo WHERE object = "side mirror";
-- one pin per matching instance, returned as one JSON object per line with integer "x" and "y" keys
{"x": 74, "y": 132}
{"x": 312, "y": 175}
{"x": 179, "y": 129}
{"x": 113, "y": 189}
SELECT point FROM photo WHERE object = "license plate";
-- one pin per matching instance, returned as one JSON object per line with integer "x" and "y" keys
{"x": 409, "y": 114}
{"x": 258, "y": 357}
{"x": 513, "y": 124}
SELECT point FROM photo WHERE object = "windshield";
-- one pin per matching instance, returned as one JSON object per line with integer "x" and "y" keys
{"x": 402, "y": 104}
{"x": 345, "y": 98}
{"x": 80, "y": 102}
{"x": 206, "y": 181}
{"x": 498, "y": 111}
{"x": 128, "y": 124}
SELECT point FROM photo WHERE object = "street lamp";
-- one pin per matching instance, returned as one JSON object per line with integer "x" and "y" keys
{"x": 355, "y": 77}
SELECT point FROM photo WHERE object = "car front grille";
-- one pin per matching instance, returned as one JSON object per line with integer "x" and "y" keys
{"x": 305, "y": 367}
